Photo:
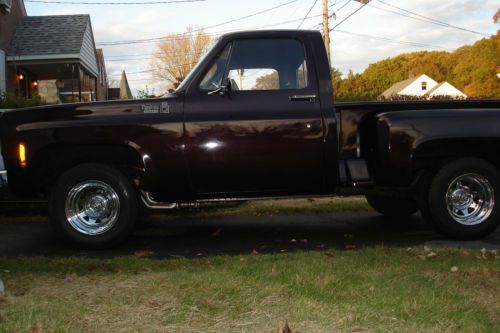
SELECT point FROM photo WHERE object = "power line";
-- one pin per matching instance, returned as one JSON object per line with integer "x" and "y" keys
{"x": 215, "y": 34}
{"x": 424, "y": 18}
{"x": 157, "y": 39}
{"x": 307, "y": 15}
{"x": 112, "y": 3}
{"x": 390, "y": 39}
{"x": 155, "y": 69}
{"x": 348, "y": 16}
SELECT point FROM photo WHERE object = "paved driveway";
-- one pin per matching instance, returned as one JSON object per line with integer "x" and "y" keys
{"x": 192, "y": 237}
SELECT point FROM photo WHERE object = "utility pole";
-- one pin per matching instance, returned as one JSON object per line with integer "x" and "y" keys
{"x": 326, "y": 29}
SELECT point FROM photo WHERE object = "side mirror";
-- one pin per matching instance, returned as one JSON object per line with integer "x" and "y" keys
{"x": 222, "y": 90}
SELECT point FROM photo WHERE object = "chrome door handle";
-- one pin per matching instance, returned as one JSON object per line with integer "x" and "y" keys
{"x": 310, "y": 98}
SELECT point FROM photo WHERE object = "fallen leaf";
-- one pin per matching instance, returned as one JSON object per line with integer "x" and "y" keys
{"x": 285, "y": 328}
{"x": 37, "y": 328}
{"x": 2, "y": 288}
{"x": 426, "y": 248}
{"x": 154, "y": 304}
{"x": 357, "y": 329}
{"x": 216, "y": 233}
{"x": 454, "y": 269}
{"x": 70, "y": 277}
{"x": 304, "y": 241}
{"x": 6, "y": 271}
{"x": 321, "y": 246}
{"x": 283, "y": 250}
{"x": 350, "y": 247}
{"x": 293, "y": 240}
{"x": 431, "y": 255}
{"x": 242, "y": 259}
{"x": 254, "y": 252}
{"x": 464, "y": 253}
{"x": 329, "y": 254}
{"x": 199, "y": 254}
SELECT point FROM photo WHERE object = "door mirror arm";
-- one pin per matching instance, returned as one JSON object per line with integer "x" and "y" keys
{"x": 222, "y": 90}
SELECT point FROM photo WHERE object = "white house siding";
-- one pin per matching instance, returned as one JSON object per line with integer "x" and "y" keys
{"x": 3, "y": 81}
{"x": 415, "y": 88}
{"x": 446, "y": 89}
{"x": 88, "y": 54}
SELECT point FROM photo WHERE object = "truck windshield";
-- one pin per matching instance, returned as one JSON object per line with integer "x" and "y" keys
{"x": 188, "y": 78}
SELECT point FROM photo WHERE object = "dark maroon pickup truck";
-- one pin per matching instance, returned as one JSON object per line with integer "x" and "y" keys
{"x": 255, "y": 119}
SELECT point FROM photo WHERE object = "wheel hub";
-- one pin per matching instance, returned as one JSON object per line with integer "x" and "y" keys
{"x": 92, "y": 207}
{"x": 470, "y": 199}
{"x": 461, "y": 198}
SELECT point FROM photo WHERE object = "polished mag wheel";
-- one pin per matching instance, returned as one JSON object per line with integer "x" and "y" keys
{"x": 92, "y": 207}
{"x": 470, "y": 199}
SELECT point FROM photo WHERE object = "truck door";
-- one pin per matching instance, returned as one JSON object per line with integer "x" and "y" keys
{"x": 253, "y": 121}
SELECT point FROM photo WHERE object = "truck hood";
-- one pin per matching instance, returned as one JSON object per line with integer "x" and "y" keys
{"x": 88, "y": 114}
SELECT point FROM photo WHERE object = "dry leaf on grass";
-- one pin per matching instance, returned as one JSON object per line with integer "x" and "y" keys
{"x": 285, "y": 328}
{"x": 70, "y": 277}
{"x": 254, "y": 252}
{"x": 216, "y": 233}
{"x": 37, "y": 328}
{"x": 454, "y": 269}
{"x": 329, "y": 254}
{"x": 350, "y": 247}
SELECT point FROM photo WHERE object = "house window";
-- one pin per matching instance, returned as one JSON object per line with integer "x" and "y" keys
{"x": 424, "y": 85}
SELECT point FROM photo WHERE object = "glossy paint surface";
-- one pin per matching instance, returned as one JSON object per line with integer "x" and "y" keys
{"x": 192, "y": 145}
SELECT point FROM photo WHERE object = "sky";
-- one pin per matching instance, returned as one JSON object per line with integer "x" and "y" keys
{"x": 373, "y": 33}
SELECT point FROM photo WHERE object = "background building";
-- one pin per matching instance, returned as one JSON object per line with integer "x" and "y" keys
{"x": 11, "y": 12}
{"x": 422, "y": 86}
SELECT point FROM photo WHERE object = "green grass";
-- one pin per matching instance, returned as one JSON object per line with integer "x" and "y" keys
{"x": 374, "y": 289}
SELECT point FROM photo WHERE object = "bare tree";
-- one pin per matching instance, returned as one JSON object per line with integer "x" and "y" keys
{"x": 177, "y": 54}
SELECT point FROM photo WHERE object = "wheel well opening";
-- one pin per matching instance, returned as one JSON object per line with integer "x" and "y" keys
{"x": 50, "y": 163}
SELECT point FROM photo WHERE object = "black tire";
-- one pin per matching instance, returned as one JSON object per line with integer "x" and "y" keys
{"x": 446, "y": 212}
{"x": 392, "y": 206}
{"x": 122, "y": 194}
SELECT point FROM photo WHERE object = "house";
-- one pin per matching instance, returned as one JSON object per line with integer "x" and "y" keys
{"x": 123, "y": 92}
{"x": 422, "y": 86}
{"x": 11, "y": 12}
{"x": 102, "y": 82}
{"x": 54, "y": 56}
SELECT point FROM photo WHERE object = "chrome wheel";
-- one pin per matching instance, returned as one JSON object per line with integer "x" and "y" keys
{"x": 92, "y": 207}
{"x": 470, "y": 199}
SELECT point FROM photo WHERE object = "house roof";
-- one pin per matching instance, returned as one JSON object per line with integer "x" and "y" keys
{"x": 397, "y": 87}
{"x": 44, "y": 35}
{"x": 125, "y": 92}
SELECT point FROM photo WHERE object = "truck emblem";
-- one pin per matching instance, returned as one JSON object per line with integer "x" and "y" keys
{"x": 150, "y": 108}
{"x": 165, "y": 107}
{"x": 156, "y": 108}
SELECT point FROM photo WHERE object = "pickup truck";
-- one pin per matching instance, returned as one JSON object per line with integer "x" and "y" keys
{"x": 255, "y": 119}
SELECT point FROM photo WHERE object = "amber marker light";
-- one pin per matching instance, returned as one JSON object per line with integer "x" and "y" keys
{"x": 20, "y": 77}
{"x": 22, "y": 155}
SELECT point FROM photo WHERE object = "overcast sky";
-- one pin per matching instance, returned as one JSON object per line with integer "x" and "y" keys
{"x": 130, "y": 22}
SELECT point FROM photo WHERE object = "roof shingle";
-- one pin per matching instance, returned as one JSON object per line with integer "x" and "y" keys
{"x": 44, "y": 35}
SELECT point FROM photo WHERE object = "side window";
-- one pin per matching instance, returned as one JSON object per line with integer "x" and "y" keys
{"x": 268, "y": 64}
{"x": 213, "y": 78}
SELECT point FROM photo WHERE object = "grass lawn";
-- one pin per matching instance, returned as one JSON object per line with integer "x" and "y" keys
{"x": 369, "y": 289}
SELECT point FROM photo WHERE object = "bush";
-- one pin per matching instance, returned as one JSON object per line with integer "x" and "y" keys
{"x": 14, "y": 102}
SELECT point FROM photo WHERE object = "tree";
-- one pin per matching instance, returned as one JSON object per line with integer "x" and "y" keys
{"x": 177, "y": 54}
{"x": 145, "y": 93}
{"x": 268, "y": 82}
{"x": 496, "y": 17}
